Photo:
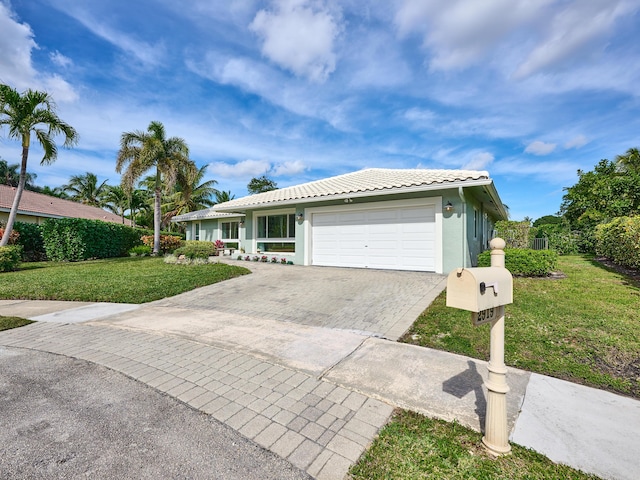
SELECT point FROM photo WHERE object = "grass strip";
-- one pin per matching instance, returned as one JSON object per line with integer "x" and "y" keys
{"x": 413, "y": 446}
{"x": 582, "y": 328}
{"x": 119, "y": 280}
{"x": 13, "y": 322}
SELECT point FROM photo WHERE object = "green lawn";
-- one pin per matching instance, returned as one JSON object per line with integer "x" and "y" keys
{"x": 119, "y": 280}
{"x": 413, "y": 447}
{"x": 583, "y": 328}
{"x": 12, "y": 322}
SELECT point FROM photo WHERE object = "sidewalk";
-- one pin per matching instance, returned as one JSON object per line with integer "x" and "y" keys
{"x": 322, "y": 420}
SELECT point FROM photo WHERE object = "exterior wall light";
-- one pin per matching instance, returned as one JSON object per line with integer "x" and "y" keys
{"x": 300, "y": 217}
{"x": 241, "y": 223}
{"x": 448, "y": 207}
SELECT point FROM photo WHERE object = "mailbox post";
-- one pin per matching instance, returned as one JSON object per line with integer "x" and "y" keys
{"x": 485, "y": 292}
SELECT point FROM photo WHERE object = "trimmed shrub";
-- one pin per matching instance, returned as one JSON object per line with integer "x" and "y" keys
{"x": 196, "y": 249}
{"x": 619, "y": 241}
{"x": 524, "y": 262}
{"x": 10, "y": 257}
{"x": 76, "y": 239}
{"x": 168, "y": 243}
{"x": 140, "y": 251}
{"x": 31, "y": 241}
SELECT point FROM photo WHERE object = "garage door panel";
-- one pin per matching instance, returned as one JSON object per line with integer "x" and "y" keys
{"x": 391, "y": 238}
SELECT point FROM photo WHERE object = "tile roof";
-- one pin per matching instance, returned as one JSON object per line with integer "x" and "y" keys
{"x": 372, "y": 181}
{"x": 39, "y": 205}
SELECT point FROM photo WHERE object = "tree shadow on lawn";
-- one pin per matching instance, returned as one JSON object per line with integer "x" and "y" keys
{"x": 630, "y": 276}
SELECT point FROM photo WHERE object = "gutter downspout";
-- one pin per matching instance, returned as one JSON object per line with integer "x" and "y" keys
{"x": 464, "y": 227}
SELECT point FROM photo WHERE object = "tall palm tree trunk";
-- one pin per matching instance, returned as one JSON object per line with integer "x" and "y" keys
{"x": 157, "y": 219}
{"x": 16, "y": 200}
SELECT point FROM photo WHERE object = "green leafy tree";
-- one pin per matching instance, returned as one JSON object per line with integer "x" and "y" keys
{"x": 24, "y": 114}
{"x": 598, "y": 197}
{"x": 85, "y": 189}
{"x": 261, "y": 184}
{"x": 548, "y": 220}
{"x": 189, "y": 194}
{"x": 151, "y": 150}
{"x": 222, "y": 196}
{"x": 601, "y": 195}
{"x": 630, "y": 161}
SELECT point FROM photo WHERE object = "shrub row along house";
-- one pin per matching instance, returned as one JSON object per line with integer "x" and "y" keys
{"x": 423, "y": 220}
{"x": 36, "y": 207}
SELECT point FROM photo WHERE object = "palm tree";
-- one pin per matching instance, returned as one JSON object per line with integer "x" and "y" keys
{"x": 190, "y": 194}
{"x": 222, "y": 196}
{"x": 138, "y": 202}
{"x": 9, "y": 175}
{"x": 630, "y": 161}
{"x": 115, "y": 200}
{"x": 143, "y": 151}
{"x": 85, "y": 189}
{"x": 31, "y": 111}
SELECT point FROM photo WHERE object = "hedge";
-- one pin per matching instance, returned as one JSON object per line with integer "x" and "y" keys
{"x": 31, "y": 241}
{"x": 76, "y": 239}
{"x": 619, "y": 240}
{"x": 524, "y": 262}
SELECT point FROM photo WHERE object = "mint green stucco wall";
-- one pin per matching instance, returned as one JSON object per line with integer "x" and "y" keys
{"x": 460, "y": 246}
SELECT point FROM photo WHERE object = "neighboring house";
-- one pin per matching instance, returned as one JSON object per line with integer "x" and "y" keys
{"x": 36, "y": 207}
{"x": 424, "y": 220}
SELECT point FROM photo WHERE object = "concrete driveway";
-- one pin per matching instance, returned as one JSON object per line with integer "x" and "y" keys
{"x": 307, "y": 318}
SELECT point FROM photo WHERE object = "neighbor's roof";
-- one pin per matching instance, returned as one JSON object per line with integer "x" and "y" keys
{"x": 372, "y": 181}
{"x": 39, "y": 205}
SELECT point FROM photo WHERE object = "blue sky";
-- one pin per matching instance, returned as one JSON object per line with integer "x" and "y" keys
{"x": 300, "y": 90}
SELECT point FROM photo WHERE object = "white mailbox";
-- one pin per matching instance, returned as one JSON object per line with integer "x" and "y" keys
{"x": 478, "y": 289}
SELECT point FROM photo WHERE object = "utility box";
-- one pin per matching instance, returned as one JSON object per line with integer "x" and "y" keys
{"x": 478, "y": 289}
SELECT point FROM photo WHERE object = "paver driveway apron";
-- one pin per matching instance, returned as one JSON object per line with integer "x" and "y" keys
{"x": 308, "y": 318}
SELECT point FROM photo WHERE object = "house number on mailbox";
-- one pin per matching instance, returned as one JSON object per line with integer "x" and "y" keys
{"x": 485, "y": 316}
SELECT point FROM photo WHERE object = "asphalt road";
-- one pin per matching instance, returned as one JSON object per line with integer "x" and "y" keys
{"x": 66, "y": 418}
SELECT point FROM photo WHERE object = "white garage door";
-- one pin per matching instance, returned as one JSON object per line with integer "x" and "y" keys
{"x": 391, "y": 238}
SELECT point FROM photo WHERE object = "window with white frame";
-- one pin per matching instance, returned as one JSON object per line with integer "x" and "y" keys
{"x": 196, "y": 230}
{"x": 277, "y": 232}
{"x": 229, "y": 233}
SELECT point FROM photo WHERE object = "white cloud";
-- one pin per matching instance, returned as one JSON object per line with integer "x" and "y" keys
{"x": 299, "y": 36}
{"x": 460, "y": 33}
{"x": 60, "y": 60}
{"x": 479, "y": 161}
{"x": 576, "y": 142}
{"x": 146, "y": 53}
{"x": 271, "y": 84}
{"x": 540, "y": 148}
{"x": 16, "y": 43}
{"x": 16, "y": 69}
{"x": 574, "y": 32}
{"x": 244, "y": 168}
{"x": 289, "y": 168}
